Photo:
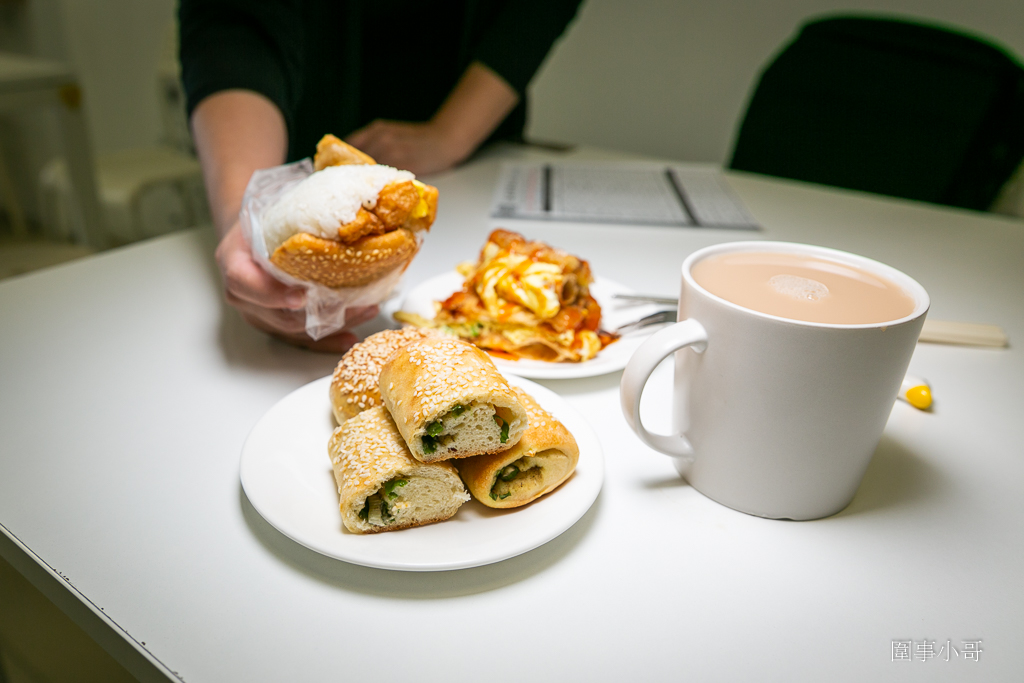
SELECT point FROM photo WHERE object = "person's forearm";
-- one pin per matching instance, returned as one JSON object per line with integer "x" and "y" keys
{"x": 476, "y": 106}
{"x": 236, "y": 132}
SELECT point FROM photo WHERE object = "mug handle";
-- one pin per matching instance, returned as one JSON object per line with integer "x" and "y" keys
{"x": 638, "y": 370}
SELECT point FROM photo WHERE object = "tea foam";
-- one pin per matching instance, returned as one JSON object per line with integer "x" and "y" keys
{"x": 799, "y": 287}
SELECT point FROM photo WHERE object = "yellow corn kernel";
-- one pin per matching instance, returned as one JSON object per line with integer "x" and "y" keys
{"x": 920, "y": 396}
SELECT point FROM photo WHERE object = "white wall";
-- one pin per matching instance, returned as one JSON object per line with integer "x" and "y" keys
{"x": 672, "y": 78}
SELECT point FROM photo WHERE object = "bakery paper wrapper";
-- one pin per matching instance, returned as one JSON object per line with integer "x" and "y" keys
{"x": 325, "y": 306}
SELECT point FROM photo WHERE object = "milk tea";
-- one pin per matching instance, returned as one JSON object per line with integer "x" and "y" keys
{"x": 801, "y": 287}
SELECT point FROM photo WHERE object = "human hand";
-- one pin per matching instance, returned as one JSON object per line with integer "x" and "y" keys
{"x": 422, "y": 148}
{"x": 475, "y": 107}
{"x": 272, "y": 306}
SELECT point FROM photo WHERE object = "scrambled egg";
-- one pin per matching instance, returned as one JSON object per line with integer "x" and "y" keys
{"x": 523, "y": 299}
{"x": 422, "y": 208}
{"x": 531, "y": 284}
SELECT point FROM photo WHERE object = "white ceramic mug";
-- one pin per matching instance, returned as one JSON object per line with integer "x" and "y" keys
{"x": 772, "y": 416}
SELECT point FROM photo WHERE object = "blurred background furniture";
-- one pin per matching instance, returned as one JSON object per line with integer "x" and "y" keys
{"x": 143, "y": 191}
{"x": 890, "y": 107}
{"x": 32, "y": 82}
{"x": 1010, "y": 201}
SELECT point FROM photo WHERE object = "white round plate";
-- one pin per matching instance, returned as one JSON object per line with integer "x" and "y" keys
{"x": 420, "y": 300}
{"x": 287, "y": 477}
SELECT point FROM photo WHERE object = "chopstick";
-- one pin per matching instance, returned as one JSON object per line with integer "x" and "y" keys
{"x": 934, "y": 331}
{"x": 962, "y": 334}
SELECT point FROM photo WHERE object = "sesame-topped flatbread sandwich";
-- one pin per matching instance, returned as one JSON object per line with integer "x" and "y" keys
{"x": 351, "y": 222}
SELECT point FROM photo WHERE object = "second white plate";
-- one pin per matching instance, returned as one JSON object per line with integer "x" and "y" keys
{"x": 420, "y": 300}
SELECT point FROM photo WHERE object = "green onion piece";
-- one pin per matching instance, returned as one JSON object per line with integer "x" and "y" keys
{"x": 494, "y": 497}
{"x": 389, "y": 488}
{"x": 509, "y": 473}
{"x": 429, "y": 444}
{"x": 506, "y": 495}
{"x": 458, "y": 409}
{"x": 435, "y": 428}
{"x": 364, "y": 514}
{"x": 385, "y": 513}
{"x": 504, "y": 432}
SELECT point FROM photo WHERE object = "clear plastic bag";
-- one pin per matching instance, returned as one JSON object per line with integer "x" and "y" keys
{"x": 325, "y": 306}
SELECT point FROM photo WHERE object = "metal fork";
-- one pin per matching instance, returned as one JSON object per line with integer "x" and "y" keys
{"x": 648, "y": 320}
{"x": 647, "y": 298}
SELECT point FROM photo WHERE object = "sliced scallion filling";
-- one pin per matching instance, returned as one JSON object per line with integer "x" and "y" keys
{"x": 435, "y": 431}
{"x": 504, "y": 428}
{"x": 508, "y": 473}
{"x": 505, "y": 474}
{"x": 520, "y": 475}
{"x": 389, "y": 487}
{"x": 376, "y": 510}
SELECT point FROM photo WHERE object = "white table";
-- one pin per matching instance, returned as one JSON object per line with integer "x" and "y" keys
{"x": 128, "y": 389}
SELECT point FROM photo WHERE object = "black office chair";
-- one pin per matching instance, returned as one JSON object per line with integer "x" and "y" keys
{"x": 890, "y": 107}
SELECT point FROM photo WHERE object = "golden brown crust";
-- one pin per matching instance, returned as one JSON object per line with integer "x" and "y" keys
{"x": 396, "y": 202}
{"x": 354, "y": 385}
{"x": 333, "y": 264}
{"x": 423, "y": 381}
{"x": 366, "y": 223}
{"x": 331, "y": 151}
{"x": 399, "y": 205}
{"x": 546, "y": 438}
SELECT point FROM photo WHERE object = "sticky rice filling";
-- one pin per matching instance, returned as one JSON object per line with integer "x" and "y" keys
{"x": 326, "y": 200}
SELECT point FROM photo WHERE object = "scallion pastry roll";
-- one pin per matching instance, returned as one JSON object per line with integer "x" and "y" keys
{"x": 542, "y": 460}
{"x": 381, "y": 486}
{"x": 449, "y": 401}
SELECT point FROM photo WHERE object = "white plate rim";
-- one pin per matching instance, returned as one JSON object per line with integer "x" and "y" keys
{"x": 556, "y": 512}
{"x": 610, "y": 359}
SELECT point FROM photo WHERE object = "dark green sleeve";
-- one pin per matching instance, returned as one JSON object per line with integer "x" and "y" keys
{"x": 246, "y": 44}
{"x": 518, "y": 39}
